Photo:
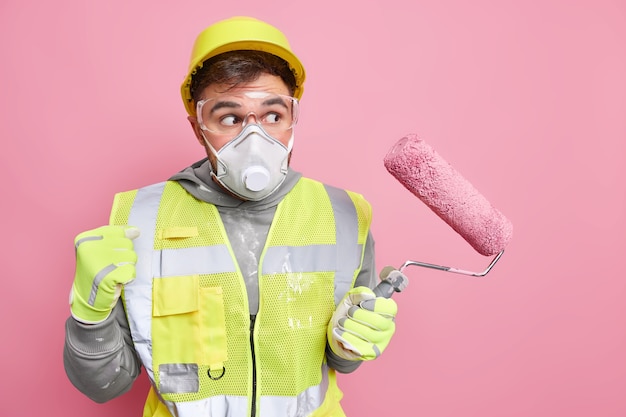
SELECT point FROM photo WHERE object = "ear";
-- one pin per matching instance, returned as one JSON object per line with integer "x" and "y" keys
{"x": 195, "y": 126}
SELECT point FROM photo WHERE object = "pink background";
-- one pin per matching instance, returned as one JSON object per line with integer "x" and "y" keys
{"x": 526, "y": 99}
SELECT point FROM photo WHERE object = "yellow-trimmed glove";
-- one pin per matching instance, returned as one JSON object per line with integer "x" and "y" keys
{"x": 362, "y": 325}
{"x": 105, "y": 260}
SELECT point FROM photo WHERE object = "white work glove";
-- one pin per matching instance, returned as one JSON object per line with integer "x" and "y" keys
{"x": 105, "y": 261}
{"x": 362, "y": 325}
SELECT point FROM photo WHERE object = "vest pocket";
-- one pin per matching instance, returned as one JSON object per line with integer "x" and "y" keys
{"x": 188, "y": 328}
{"x": 175, "y": 320}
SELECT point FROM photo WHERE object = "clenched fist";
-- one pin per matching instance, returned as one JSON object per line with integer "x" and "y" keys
{"x": 105, "y": 261}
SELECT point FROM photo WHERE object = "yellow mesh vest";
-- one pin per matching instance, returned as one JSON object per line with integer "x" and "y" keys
{"x": 203, "y": 319}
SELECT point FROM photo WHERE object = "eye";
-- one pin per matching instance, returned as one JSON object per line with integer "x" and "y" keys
{"x": 272, "y": 118}
{"x": 230, "y": 120}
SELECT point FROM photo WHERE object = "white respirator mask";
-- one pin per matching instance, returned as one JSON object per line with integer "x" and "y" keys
{"x": 253, "y": 164}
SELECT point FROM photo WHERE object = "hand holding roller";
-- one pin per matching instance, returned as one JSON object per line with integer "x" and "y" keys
{"x": 362, "y": 325}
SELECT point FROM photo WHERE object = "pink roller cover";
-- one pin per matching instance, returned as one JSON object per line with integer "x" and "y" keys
{"x": 434, "y": 181}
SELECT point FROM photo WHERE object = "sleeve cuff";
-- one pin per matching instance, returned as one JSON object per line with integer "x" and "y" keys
{"x": 94, "y": 339}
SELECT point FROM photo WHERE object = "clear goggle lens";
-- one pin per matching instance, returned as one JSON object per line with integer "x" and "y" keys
{"x": 229, "y": 113}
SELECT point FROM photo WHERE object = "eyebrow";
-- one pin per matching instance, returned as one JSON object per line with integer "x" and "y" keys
{"x": 222, "y": 104}
{"x": 234, "y": 105}
{"x": 275, "y": 100}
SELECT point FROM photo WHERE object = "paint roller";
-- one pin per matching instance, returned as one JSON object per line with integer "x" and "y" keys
{"x": 437, "y": 184}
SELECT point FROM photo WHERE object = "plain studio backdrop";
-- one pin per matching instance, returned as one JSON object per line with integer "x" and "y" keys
{"x": 527, "y": 99}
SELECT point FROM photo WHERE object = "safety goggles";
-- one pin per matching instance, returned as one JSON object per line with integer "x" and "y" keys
{"x": 228, "y": 114}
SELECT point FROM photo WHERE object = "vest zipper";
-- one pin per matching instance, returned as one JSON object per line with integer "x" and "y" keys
{"x": 252, "y": 320}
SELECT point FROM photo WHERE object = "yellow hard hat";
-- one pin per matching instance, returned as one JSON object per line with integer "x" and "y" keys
{"x": 236, "y": 34}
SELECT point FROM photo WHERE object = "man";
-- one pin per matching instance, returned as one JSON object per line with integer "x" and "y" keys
{"x": 239, "y": 285}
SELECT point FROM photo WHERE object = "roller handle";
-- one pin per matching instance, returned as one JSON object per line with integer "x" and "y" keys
{"x": 392, "y": 281}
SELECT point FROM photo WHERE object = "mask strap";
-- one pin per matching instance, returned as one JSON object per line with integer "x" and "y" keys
{"x": 208, "y": 144}
{"x": 290, "y": 143}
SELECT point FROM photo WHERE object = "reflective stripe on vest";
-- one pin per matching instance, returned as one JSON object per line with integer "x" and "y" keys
{"x": 343, "y": 258}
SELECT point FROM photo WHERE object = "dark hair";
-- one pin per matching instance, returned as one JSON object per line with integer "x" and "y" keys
{"x": 236, "y": 67}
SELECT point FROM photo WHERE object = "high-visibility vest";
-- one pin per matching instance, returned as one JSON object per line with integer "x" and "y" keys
{"x": 188, "y": 309}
